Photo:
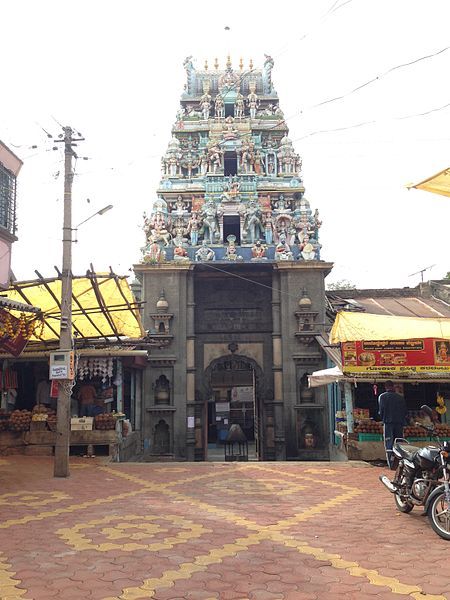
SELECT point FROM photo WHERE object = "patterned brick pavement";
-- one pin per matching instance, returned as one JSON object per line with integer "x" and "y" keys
{"x": 203, "y": 531}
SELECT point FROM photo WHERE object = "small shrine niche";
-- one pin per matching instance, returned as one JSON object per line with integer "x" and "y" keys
{"x": 160, "y": 334}
{"x": 162, "y": 390}
{"x": 308, "y": 435}
{"x": 162, "y": 318}
{"x": 310, "y": 430}
{"x": 306, "y": 319}
{"x": 305, "y": 392}
{"x": 161, "y": 438}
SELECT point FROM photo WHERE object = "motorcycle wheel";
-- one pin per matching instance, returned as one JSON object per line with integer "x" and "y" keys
{"x": 403, "y": 505}
{"x": 439, "y": 515}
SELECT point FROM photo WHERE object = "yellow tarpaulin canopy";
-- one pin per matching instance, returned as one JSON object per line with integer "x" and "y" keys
{"x": 103, "y": 307}
{"x": 438, "y": 184}
{"x": 355, "y": 326}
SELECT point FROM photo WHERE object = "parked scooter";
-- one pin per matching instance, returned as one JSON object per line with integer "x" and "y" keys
{"x": 422, "y": 478}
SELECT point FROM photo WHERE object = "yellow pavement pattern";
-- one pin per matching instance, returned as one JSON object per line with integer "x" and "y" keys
{"x": 146, "y": 526}
{"x": 141, "y": 529}
{"x": 8, "y": 589}
{"x": 270, "y": 532}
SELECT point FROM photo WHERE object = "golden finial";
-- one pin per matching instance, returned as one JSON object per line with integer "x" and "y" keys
{"x": 206, "y": 65}
{"x": 251, "y": 64}
{"x": 216, "y": 64}
{"x": 241, "y": 64}
{"x": 228, "y": 62}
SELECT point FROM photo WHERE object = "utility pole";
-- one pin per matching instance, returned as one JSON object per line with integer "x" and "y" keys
{"x": 61, "y": 465}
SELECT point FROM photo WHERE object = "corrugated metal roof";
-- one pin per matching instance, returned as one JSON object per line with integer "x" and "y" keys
{"x": 405, "y": 307}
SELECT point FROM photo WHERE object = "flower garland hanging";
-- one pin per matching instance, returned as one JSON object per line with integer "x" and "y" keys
{"x": 11, "y": 327}
{"x": 440, "y": 408}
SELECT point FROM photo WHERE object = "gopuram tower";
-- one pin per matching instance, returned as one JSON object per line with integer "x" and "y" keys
{"x": 233, "y": 281}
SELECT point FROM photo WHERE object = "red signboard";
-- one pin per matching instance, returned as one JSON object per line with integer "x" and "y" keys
{"x": 396, "y": 356}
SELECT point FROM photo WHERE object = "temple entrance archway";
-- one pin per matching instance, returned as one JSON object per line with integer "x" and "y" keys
{"x": 232, "y": 396}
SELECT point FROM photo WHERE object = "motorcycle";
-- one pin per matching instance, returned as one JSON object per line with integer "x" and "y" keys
{"x": 422, "y": 478}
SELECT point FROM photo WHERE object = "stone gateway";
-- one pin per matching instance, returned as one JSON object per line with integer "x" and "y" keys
{"x": 233, "y": 281}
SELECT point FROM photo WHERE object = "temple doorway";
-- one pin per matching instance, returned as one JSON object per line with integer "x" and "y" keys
{"x": 232, "y": 399}
{"x": 232, "y": 226}
{"x": 230, "y": 163}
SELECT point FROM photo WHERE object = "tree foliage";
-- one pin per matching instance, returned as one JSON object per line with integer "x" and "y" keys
{"x": 342, "y": 284}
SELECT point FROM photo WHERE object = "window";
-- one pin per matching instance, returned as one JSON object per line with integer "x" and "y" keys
{"x": 232, "y": 226}
{"x": 7, "y": 200}
{"x": 230, "y": 163}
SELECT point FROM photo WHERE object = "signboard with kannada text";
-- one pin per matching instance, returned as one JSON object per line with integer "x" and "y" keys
{"x": 396, "y": 356}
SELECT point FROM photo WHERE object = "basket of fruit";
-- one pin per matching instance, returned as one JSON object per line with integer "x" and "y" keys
{"x": 105, "y": 421}
{"x": 20, "y": 420}
{"x": 369, "y": 431}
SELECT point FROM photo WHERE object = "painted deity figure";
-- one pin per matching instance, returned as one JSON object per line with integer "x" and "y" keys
{"x": 180, "y": 208}
{"x": 282, "y": 249}
{"x": 193, "y": 228}
{"x": 189, "y": 162}
{"x": 203, "y": 163}
{"x": 205, "y": 254}
{"x": 152, "y": 252}
{"x": 205, "y": 105}
{"x": 247, "y": 158}
{"x": 281, "y": 205}
{"x": 173, "y": 166}
{"x": 317, "y": 223}
{"x": 259, "y": 251}
{"x": 231, "y": 253}
{"x": 219, "y": 107}
{"x": 239, "y": 106}
{"x": 179, "y": 253}
{"x": 252, "y": 101}
{"x": 231, "y": 191}
{"x": 252, "y": 222}
{"x": 268, "y": 227}
{"x": 307, "y": 250}
{"x": 178, "y": 233}
{"x": 214, "y": 159}
{"x": 210, "y": 222}
{"x": 157, "y": 228}
{"x": 258, "y": 163}
{"x": 230, "y": 132}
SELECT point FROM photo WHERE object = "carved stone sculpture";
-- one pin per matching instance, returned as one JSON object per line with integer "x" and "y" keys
{"x": 252, "y": 223}
{"x": 205, "y": 254}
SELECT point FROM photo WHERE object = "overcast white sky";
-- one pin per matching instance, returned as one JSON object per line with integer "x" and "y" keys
{"x": 113, "y": 71}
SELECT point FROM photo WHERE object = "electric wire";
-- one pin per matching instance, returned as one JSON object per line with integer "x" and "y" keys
{"x": 377, "y": 78}
{"x": 269, "y": 287}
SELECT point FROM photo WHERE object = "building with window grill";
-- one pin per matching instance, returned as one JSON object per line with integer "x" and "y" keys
{"x": 10, "y": 166}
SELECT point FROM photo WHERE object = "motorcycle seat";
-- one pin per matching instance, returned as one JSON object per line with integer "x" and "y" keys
{"x": 407, "y": 450}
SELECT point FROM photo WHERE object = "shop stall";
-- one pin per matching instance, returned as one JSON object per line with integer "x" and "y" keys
{"x": 414, "y": 353}
{"x": 109, "y": 355}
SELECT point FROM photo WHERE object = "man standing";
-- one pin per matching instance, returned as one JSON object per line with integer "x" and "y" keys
{"x": 392, "y": 409}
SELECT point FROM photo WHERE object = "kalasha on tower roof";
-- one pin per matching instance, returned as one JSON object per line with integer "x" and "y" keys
{"x": 231, "y": 187}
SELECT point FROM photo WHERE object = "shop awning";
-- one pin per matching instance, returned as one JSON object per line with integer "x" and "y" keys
{"x": 438, "y": 184}
{"x": 325, "y": 377}
{"x": 356, "y": 326}
{"x": 103, "y": 308}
